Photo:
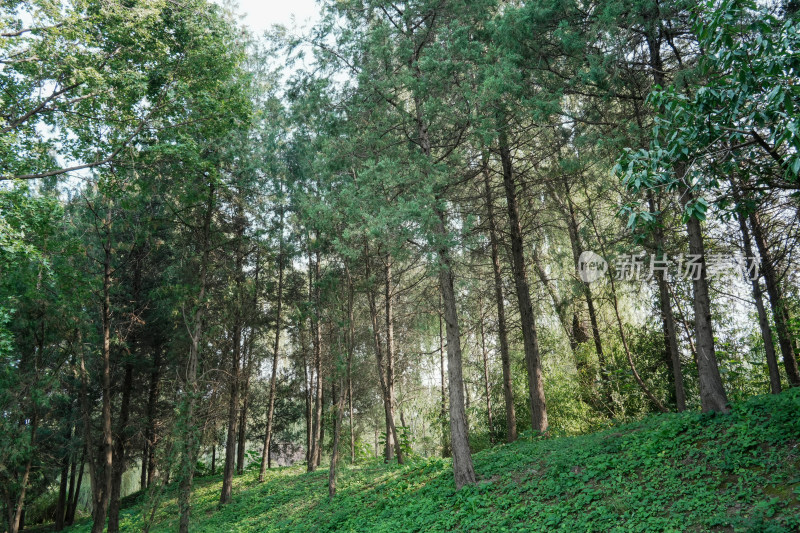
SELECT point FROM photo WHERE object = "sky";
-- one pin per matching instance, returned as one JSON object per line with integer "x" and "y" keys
{"x": 259, "y": 15}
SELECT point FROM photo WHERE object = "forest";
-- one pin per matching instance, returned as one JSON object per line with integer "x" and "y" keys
{"x": 402, "y": 263}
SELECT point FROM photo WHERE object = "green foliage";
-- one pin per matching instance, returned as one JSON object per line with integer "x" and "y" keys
{"x": 404, "y": 435}
{"x": 742, "y": 111}
{"x": 673, "y": 472}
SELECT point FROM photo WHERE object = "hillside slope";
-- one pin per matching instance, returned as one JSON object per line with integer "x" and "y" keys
{"x": 737, "y": 472}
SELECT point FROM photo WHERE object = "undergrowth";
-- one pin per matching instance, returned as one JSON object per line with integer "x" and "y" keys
{"x": 673, "y": 472}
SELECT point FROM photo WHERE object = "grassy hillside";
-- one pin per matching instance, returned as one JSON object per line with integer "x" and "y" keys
{"x": 739, "y": 472}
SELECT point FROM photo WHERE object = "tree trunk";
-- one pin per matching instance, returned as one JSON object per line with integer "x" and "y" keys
{"x": 671, "y": 339}
{"x": 763, "y": 320}
{"x": 72, "y": 503}
{"x": 667, "y": 318}
{"x": 463, "y": 469}
{"x": 119, "y": 451}
{"x": 89, "y": 452}
{"x": 653, "y": 37}
{"x": 235, "y": 380}
{"x": 577, "y": 250}
{"x": 388, "y": 409}
{"x": 17, "y": 522}
{"x": 316, "y": 426}
{"x": 390, "y": 354}
{"x": 712, "y": 392}
{"x": 350, "y": 407}
{"x": 250, "y": 358}
{"x": 190, "y": 440}
{"x": 486, "y": 384}
{"x": 351, "y": 339}
{"x": 120, "y": 463}
{"x": 623, "y": 337}
{"x": 777, "y": 302}
{"x": 102, "y": 489}
{"x": 529, "y": 331}
{"x": 628, "y": 355}
{"x": 575, "y": 329}
{"x": 505, "y": 358}
{"x": 61, "y": 505}
{"x": 70, "y": 490}
{"x": 321, "y": 438}
{"x": 230, "y": 440}
{"x": 241, "y": 433}
{"x": 275, "y": 347}
{"x": 308, "y": 383}
{"x": 443, "y": 406}
{"x": 150, "y": 437}
{"x": 337, "y": 429}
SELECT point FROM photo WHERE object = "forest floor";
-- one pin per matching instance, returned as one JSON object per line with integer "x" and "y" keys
{"x": 673, "y": 472}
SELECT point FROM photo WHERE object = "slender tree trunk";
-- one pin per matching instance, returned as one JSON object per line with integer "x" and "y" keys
{"x": 316, "y": 426}
{"x": 654, "y": 40}
{"x": 388, "y": 409}
{"x": 145, "y": 453}
{"x": 120, "y": 463}
{"x": 61, "y": 505}
{"x": 505, "y": 358}
{"x": 777, "y": 302}
{"x": 350, "y": 407}
{"x": 275, "y": 347}
{"x": 308, "y": 383}
{"x": 230, "y": 441}
{"x": 72, "y": 502}
{"x": 671, "y": 339}
{"x": 529, "y": 332}
{"x": 668, "y": 319}
{"x": 89, "y": 452}
{"x": 486, "y": 384}
{"x": 577, "y": 250}
{"x": 321, "y": 426}
{"x": 575, "y": 328}
{"x": 150, "y": 437}
{"x": 235, "y": 380}
{"x": 763, "y": 320}
{"x": 681, "y": 317}
{"x": 351, "y": 338}
{"x": 17, "y": 522}
{"x": 337, "y": 427}
{"x": 712, "y": 392}
{"x": 443, "y": 406}
{"x": 241, "y": 433}
{"x": 102, "y": 494}
{"x": 628, "y": 355}
{"x": 390, "y": 354}
{"x": 337, "y": 430}
{"x": 577, "y": 334}
{"x": 623, "y": 337}
{"x": 119, "y": 451}
{"x": 190, "y": 439}
{"x": 240, "y": 456}
{"x": 463, "y": 469}
{"x": 71, "y": 489}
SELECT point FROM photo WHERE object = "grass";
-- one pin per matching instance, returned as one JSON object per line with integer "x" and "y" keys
{"x": 673, "y": 472}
